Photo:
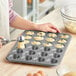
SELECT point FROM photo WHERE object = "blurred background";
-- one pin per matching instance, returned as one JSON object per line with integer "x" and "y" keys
{"x": 34, "y": 10}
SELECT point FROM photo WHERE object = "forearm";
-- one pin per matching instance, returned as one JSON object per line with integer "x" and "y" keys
{"x": 19, "y": 23}
{"x": 23, "y": 24}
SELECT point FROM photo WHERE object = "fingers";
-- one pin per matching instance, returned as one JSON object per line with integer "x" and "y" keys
{"x": 29, "y": 74}
{"x": 39, "y": 73}
{"x": 51, "y": 30}
{"x": 57, "y": 30}
{"x": 54, "y": 28}
{"x": 47, "y": 27}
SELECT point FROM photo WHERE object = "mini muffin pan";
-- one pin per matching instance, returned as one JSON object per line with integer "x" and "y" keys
{"x": 40, "y": 48}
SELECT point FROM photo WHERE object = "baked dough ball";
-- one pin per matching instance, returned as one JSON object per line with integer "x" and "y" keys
{"x": 41, "y": 34}
{"x": 52, "y": 35}
{"x": 62, "y": 41}
{"x": 28, "y": 37}
{"x": 26, "y": 42}
{"x": 38, "y": 38}
{"x": 59, "y": 46}
{"x": 30, "y": 33}
{"x": 35, "y": 43}
{"x": 47, "y": 44}
{"x": 50, "y": 39}
{"x": 70, "y": 74}
{"x": 64, "y": 36}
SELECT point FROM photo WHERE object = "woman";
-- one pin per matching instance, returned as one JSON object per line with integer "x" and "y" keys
{"x": 18, "y": 22}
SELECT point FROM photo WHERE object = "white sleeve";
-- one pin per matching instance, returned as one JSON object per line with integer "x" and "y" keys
{"x": 4, "y": 19}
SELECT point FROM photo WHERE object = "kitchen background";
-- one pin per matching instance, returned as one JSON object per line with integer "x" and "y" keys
{"x": 32, "y": 10}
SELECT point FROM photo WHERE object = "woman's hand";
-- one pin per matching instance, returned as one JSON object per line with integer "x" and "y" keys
{"x": 0, "y": 41}
{"x": 39, "y": 73}
{"x": 47, "y": 27}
